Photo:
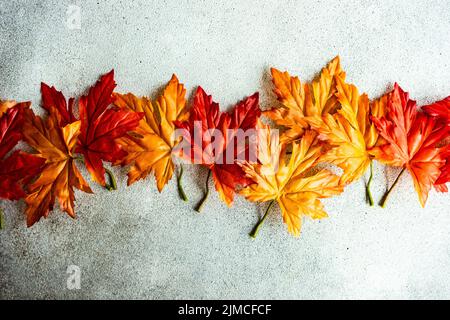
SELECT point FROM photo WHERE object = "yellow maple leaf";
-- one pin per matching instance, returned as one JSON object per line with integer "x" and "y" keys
{"x": 290, "y": 183}
{"x": 350, "y": 131}
{"x": 150, "y": 147}
{"x": 303, "y": 100}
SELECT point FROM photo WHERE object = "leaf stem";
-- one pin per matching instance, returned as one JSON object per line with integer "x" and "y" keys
{"x": 386, "y": 195}
{"x": 1, "y": 219}
{"x": 180, "y": 186}
{"x": 256, "y": 228}
{"x": 369, "y": 182}
{"x": 112, "y": 185}
{"x": 205, "y": 197}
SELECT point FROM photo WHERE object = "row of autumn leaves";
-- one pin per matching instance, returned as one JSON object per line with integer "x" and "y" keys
{"x": 325, "y": 121}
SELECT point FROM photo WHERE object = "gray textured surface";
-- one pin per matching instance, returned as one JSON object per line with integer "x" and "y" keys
{"x": 136, "y": 243}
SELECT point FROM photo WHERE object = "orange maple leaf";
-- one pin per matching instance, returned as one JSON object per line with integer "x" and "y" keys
{"x": 303, "y": 100}
{"x": 150, "y": 147}
{"x": 59, "y": 175}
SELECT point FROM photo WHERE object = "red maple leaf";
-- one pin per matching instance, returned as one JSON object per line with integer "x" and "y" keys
{"x": 412, "y": 142}
{"x": 19, "y": 168}
{"x": 101, "y": 125}
{"x": 445, "y": 172}
{"x": 54, "y": 101}
{"x": 219, "y": 147}
{"x": 441, "y": 111}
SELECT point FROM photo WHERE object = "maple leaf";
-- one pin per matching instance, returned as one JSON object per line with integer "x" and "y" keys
{"x": 290, "y": 183}
{"x": 59, "y": 175}
{"x": 54, "y": 101}
{"x": 150, "y": 146}
{"x": 101, "y": 126}
{"x": 440, "y": 183}
{"x": 15, "y": 172}
{"x": 303, "y": 100}
{"x": 350, "y": 132}
{"x": 221, "y": 130}
{"x": 441, "y": 111}
{"x": 19, "y": 168}
{"x": 8, "y": 104}
{"x": 412, "y": 140}
{"x": 11, "y": 117}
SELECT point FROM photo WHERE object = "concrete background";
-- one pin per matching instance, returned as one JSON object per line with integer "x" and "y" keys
{"x": 136, "y": 243}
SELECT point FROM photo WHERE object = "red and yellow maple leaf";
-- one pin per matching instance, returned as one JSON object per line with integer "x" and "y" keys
{"x": 150, "y": 146}
{"x": 412, "y": 142}
{"x": 290, "y": 183}
{"x": 59, "y": 175}
{"x": 219, "y": 147}
{"x": 303, "y": 100}
{"x": 101, "y": 126}
{"x": 19, "y": 168}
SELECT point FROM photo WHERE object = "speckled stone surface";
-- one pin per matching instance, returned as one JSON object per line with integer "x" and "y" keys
{"x": 137, "y": 243}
